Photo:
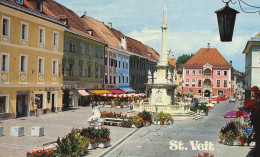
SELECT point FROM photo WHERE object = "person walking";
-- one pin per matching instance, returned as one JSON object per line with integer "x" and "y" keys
{"x": 94, "y": 104}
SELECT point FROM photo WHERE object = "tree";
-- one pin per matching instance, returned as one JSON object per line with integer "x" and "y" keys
{"x": 183, "y": 59}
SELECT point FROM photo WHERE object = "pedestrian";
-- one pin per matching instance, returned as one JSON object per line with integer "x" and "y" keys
{"x": 94, "y": 104}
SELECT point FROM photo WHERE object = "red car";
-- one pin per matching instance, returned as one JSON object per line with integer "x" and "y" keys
{"x": 222, "y": 98}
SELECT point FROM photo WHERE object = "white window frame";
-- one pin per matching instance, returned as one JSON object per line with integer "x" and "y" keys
{"x": 81, "y": 47}
{"x": 72, "y": 46}
{"x": 25, "y": 63}
{"x": 187, "y": 81}
{"x": 57, "y": 38}
{"x": 56, "y": 68}
{"x": 41, "y": 65}
{"x": 26, "y": 32}
{"x": 7, "y": 62}
{"x": 226, "y": 83}
{"x": 6, "y": 103}
{"x": 9, "y": 23}
{"x": 226, "y": 72}
{"x": 187, "y": 72}
{"x": 194, "y": 72}
{"x": 218, "y": 72}
{"x": 219, "y": 83}
{"x": 200, "y": 71}
{"x": 42, "y": 28}
{"x": 193, "y": 81}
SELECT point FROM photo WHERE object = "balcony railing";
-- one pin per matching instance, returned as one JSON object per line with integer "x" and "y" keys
{"x": 207, "y": 85}
{"x": 208, "y": 74}
{"x": 225, "y": 85}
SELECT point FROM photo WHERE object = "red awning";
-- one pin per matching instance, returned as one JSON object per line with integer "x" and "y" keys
{"x": 117, "y": 91}
{"x": 83, "y": 92}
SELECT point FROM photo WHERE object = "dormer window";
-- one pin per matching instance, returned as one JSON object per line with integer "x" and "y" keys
{"x": 19, "y": 1}
{"x": 39, "y": 5}
{"x": 90, "y": 32}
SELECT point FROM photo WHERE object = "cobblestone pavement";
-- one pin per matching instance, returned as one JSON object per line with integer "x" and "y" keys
{"x": 55, "y": 125}
{"x": 147, "y": 143}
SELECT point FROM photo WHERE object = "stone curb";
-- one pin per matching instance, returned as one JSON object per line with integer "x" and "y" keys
{"x": 118, "y": 143}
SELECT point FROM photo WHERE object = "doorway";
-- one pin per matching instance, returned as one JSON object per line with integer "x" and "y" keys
{"x": 220, "y": 93}
{"x": 53, "y": 102}
{"x": 207, "y": 93}
{"x": 22, "y": 104}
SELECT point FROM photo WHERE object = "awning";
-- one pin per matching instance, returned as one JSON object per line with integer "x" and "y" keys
{"x": 83, "y": 93}
{"x": 117, "y": 91}
{"x": 100, "y": 92}
{"x": 127, "y": 89}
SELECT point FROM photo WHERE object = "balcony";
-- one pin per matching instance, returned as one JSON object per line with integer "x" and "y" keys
{"x": 207, "y": 85}
{"x": 225, "y": 85}
{"x": 218, "y": 85}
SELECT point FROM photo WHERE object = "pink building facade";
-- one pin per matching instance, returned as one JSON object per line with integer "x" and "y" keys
{"x": 206, "y": 80}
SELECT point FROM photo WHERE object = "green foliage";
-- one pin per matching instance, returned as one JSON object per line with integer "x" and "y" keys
{"x": 164, "y": 117}
{"x": 138, "y": 121}
{"x": 69, "y": 146}
{"x": 183, "y": 59}
{"x": 145, "y": 115}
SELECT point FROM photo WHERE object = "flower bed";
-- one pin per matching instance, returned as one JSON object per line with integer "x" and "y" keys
{"x": 163, "y": 118}
{"x": 204, "y": 155}
{"x": 45, "y": 153}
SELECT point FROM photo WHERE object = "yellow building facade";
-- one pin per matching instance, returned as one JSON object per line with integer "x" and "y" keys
{"x": 31, "y": 51}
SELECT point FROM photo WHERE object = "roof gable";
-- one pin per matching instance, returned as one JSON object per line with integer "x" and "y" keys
{"x": 207, "y": 55}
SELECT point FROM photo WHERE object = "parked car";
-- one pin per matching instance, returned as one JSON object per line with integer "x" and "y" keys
{"x": 231, "y": 99}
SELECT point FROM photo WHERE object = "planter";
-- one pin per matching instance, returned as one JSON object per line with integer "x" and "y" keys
{"x": 118, "y": 107}
{"x": 101, "y": 105}
{"x": 92, "y": 146}
{"x": 236, "y": 143}
{"x": 104, "y": 145}
{"x": 107, "y": 106}
{"x": 169, "y": 122}
{"x": 133, "y": 126}
{"x": 252, "y": 144}
{"x": 159, "y": 122}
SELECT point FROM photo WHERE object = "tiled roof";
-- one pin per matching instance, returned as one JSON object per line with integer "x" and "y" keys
{"x": 74, "y": 21}
{"x": 207, "y": 55}
{"x": 102, "y": 31}
{"x": 27, "y": 9}
{"x": 172, "y": 62}
{"x": 137, "y": 47}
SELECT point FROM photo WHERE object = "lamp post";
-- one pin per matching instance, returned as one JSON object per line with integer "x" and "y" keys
{"x": 226, "y": 21}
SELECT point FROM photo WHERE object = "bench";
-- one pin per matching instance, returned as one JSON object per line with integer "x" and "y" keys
{"x": 114, "y": 121}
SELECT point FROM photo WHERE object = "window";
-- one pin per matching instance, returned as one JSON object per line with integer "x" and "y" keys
{"x": 187, "y": 72}
{"x": 111, "y": 62}
{"x": 218, "y": 72}
{"x": 126, "y": 65}
{"x": 71, "y": 70}
{"x": 126, "y": 79}
{"x": 225, "y": 83}
{"x": 24, "y": 31}
{"x": 119, "y": 79}
{"x": 193, "y": 72}
{"x": 199, "y": 91}
{"x": 4, "y": 62}
{"x": 101, "y": 53}
{"x": 114, "y": 79}
{"x": 40, "y": 100}
{"x": 23, "y": 62}
{"x": 225, "y": 73}
{"x": 4, "y": 104}
{"x": 55, "y": 66}
{"x": 42, "y": 35}
{"x": 39, "y": 5}
{"x": 64, "y": 44}
{"x": 106, "y": 79}
{"x": 119, "y": 64}
{"x": 199, "y": 83}
{"x": 200, "y": 71}
{"x": 105, "y": 60}
{"x": 90, "y": 49}
{"x": 80, "y": 70}
{"x": 81, "y": 47}
{"x": 193, "y": 82}
{"x": 96, "y": 72}
{"x": 40, "y": 65}
{"x": 115, "y": 62}
{"x": 19, "y": 1}
{"x": 123, "y": 65}
{"x": 55, "y": 38}
{"x": 89, "y": 71}
{"x": 71, "y": 46}
{"x": 218, "y": 83}
{"x": 5, "y": 26}
{"x": 97, "y": 50}
{"x": 187, "y": 82}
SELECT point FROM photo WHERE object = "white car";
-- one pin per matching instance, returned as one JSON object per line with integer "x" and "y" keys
{"x": 231, "y": 99}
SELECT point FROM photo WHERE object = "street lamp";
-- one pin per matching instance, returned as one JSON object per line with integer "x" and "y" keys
{"x": 226, "y": 22}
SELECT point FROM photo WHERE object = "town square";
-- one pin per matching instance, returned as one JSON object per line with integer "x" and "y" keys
{"x": 129, "y": 78}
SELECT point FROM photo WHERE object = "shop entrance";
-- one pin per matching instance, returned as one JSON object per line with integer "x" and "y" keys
{"x": 22, "y": 104}
{"x": 207, "y": 93}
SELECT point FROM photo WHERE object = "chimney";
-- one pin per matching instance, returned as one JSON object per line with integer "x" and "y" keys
{"x": 110, "y": 25}
{"x": 231, "y": 63}
{"x": 124, "y": 43}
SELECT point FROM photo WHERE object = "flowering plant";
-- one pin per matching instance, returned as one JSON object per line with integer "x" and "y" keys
{"x": 147, "y": 117}
{"x": 138, "y": 121}
{"x": 105, "y": 114}
{"x": 38, "y": 153}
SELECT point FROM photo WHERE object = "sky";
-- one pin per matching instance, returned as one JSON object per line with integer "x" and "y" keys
{"x": 191, "y": 23}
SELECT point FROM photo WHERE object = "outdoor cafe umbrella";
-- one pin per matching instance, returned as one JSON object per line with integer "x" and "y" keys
{"x": 235, "y": 114}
